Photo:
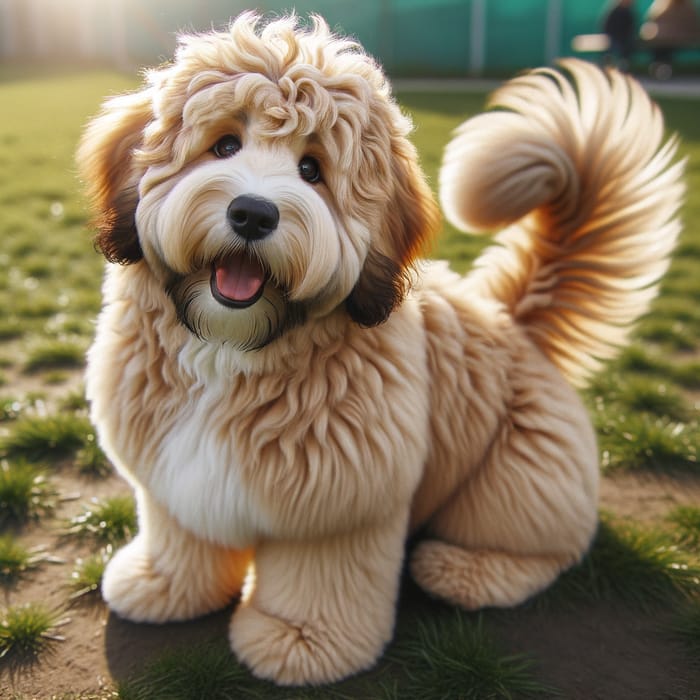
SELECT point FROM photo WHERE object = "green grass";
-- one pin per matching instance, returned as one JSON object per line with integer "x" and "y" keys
{"x": 27, "y": 630}
{"x": 46, "y": 437}
{"x": 639, "y": 566}
{"x": 451, "y": 657}
{"x": 25, "y": 492}
{"x": 54, "y": 353}
{"x": 86, "y": 577}
{"x": 111, "y": 520}
{"x": 15, "y": 559}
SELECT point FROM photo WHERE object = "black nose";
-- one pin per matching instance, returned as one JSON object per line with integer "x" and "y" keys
{"x": 253, "y": 217}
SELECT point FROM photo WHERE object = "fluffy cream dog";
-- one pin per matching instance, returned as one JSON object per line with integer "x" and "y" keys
{"x": 290, "y": 393}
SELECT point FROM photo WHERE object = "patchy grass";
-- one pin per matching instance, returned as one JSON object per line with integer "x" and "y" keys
{"x": 15, "y": 559}
{"x": 86, "y": 577}
{"x": 635, "y": 565}
{"x": 54, "y": 353}
{"x": 27, "y": 630}
{"x": 46, "y": 437}
{"x": 112, "y": 520}
{"x": 451, "y": 657}
{"x": 25, "y": 492}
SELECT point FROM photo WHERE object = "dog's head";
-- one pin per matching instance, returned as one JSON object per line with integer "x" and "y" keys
{"x": 264, "y": 177}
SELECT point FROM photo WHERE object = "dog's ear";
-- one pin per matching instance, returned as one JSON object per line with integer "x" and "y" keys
{"x": 410, "y": 222}
{"x": 106, "y": 165}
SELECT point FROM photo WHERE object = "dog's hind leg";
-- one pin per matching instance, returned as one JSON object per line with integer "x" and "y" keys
{"x": 530, "y": 509}
{"x": 166, "y": 573}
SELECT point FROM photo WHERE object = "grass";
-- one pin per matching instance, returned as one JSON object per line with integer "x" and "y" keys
{"x": 86, "y": 577}
{"x": 25, "y": 492}
{"x": 451, "y": 657}
{"x": 53, "y": 353}
{"x": 111, "y": 520}
{"x": 27, "y": 630}
{"x": 53, "y": 436}
{"x": 15, "y": 559}
{"x": 627, "y": 563}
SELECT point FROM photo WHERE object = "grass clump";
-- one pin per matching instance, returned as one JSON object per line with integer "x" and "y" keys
{"x": 86, "y": 577}
{"x": 687, "y": 522}
{"x": 27, "y": 630}
{"x": 637, "y": 566}
{"x": 112, "y": 520}
{"x": 90, "y": 460}
{"x": 24, "y": 492}
{"x": 455, "y": 658}
{"x": 207, "y": 671}
{"x": 686, "y": 627}
{"x": 39, "y": 437}
{"x": 15, "y": 559}
{"x": 52, "y": 354}
{"x": 638, "y": 441}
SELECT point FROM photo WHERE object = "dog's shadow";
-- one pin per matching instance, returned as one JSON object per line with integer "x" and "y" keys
{"x": 130, "y": 646}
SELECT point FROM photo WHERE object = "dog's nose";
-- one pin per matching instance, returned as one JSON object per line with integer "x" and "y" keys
{"x": 253, "y": 217}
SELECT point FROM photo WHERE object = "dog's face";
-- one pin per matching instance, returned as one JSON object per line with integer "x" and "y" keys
{"x": 264, "y": 178}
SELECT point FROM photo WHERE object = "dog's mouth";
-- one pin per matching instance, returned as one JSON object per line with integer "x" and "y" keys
{"x": 238, "y": 280}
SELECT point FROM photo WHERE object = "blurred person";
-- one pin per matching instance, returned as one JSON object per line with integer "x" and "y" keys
{"x": 669, "y": 25}
{"x": 620, "y": 25}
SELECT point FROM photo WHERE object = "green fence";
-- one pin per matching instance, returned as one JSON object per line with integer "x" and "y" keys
{"x": 410, "y": 37}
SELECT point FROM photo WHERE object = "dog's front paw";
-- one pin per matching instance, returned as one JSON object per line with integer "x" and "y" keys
{"x": 291, "y": 653}
{"x": 140, "y": 589}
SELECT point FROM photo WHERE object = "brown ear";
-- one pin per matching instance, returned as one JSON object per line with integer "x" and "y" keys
{"x": 410, "y": 223}
{"x": 106, "y": 164}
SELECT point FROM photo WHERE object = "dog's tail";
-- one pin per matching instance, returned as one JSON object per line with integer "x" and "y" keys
{"x": 574, "y": 162}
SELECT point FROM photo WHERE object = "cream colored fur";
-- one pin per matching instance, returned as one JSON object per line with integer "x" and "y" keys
{"x": 285, "y": 451}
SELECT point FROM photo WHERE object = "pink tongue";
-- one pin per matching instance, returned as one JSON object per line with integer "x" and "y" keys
{"x": 239, "y": 278}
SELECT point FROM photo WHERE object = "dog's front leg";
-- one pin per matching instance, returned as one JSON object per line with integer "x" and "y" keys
{"x": 166, "y": 573}
{"x": 322, "y": 609}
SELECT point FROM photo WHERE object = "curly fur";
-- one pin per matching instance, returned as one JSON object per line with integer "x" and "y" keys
{"x": 285, "y": 450}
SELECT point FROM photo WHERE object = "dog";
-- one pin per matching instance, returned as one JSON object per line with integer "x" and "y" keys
{"x": 293, "y": 391}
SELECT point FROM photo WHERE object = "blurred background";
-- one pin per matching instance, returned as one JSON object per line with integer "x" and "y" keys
{"x": 412, "y": 38}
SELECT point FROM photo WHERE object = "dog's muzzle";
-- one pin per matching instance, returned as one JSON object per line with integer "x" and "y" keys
{"x": 238, "y": 281}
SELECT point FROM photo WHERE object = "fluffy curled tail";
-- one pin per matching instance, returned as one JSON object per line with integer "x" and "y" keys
{"x": 573, "y": 161}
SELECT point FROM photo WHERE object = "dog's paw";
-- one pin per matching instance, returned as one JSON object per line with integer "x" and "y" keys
{"x": 290, "y": 653}
{"x": 137, "y": 589}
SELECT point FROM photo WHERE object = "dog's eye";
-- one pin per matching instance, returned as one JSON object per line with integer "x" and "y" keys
{"x": 227, "y": 146}
{"x": 309, "y": 169}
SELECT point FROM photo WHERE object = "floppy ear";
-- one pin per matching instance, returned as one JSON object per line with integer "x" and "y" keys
{"x": 410, "y": 223}
{"x": 106, "y": 165}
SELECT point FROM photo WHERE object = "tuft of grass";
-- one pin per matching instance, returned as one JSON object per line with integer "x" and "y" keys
{"x": 112, "y": 520}
{"x": 24, "y": 492}
{"x": 15, "y": 559}
{"x": 90, "y": 460}
{"x": 687, "y": 522}
{"x": 52, "y": 354}
{"x": 637, "y": 566}
{"x": 207, "y": 671}
{"x": 27, "y": 630}
{"x": 639, "y": 441}
{"x": 86, "y": 577}
{"x": 41, "y": 437}
{"x": 455, "y": 658}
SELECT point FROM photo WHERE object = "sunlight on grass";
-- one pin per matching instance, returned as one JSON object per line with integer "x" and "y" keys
{"x": 25, "y": 492}
{"x": 55, "y": 353}
{"x": 15, "y": 559}
{"x": 111, "y": 520}
{"x": 27, "y": 630}
{"x": 629, "y": 563}
{"x": 42, "y": 437}
{"x": 86, "y": 577}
